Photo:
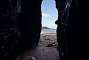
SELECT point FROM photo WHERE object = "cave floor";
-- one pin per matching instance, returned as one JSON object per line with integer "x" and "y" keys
{"x": 41, "y": 53}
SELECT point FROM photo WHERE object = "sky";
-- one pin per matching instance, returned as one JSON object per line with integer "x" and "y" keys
{"x": 49, "y": 13}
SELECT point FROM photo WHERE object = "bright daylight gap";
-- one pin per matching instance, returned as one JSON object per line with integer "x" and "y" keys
{"x": 49, "y": 16}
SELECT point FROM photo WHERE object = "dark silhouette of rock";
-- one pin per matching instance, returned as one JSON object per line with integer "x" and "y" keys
{"x": 73, "y": 36}
{"x": 29, "y": 24}
{"x": 3, "y": 7}
{"x": 8, "y": 32}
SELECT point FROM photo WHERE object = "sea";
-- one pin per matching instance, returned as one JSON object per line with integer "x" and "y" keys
{"x": 48, "y": 31}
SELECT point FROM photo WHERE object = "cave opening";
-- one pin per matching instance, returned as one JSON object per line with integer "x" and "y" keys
{"x": 49, "y": 16}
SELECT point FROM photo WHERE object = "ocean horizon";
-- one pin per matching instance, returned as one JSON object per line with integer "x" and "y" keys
{"x": 48, "y": 31}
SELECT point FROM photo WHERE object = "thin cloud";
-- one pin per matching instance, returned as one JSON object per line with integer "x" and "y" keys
{"x": 45, "y": 15}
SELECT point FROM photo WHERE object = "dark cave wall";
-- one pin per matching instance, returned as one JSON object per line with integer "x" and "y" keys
{"x": 29, "y": 24}
{"x": 9, "y": 36}
{"x": 73, "y": 36}
{"x": 19, "y": 31}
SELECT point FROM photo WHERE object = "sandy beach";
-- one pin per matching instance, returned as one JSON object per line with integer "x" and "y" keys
{"x": 48, "y": 39}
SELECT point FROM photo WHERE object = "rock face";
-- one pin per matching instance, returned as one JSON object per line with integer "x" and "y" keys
{"x": 29, "y": 24}
{"x": 8, "y": 32}
{"x": 70, "y": 36}
{"x": 20, "y": 31}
